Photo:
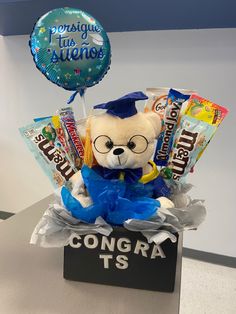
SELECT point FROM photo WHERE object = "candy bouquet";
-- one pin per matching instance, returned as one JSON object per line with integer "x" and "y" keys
{"x": 88, "y": 198}
{"x": 116, "y": 170}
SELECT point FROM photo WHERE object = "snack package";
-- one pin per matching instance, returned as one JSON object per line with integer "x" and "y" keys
{"x": 81, "y": 128}
{"x": 42, "y": 140}
{"x": 191, "y": 139}
{"x": 170, "y": 119}
{"x": 73, "y": 141}
{"x": 207, "y": 111}
{"x": 157, "y": 99}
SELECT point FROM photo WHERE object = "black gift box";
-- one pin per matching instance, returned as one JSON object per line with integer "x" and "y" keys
{"x": 124, "y": 258}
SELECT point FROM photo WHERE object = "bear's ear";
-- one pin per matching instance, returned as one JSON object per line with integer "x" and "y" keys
{"x": 155, "y": 121}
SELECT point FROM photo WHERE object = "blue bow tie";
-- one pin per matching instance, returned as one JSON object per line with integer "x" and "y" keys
{"x": 130, "y": 175}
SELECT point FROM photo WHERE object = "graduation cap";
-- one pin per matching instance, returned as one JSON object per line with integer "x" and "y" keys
{"x": 123, "y": 107}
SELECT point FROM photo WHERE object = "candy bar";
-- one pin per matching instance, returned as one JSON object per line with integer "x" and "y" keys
{"x": 172, "y": 111}
{"x": 73, "y": 141}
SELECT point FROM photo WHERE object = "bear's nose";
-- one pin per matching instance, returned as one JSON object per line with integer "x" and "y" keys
{"x": 118, "y": 151}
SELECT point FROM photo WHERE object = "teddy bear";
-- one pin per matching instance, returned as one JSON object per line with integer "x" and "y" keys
{"x": 121, "y": 141}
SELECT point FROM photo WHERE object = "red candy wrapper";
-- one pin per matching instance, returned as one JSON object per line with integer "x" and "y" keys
{"x": 73, "y": 141}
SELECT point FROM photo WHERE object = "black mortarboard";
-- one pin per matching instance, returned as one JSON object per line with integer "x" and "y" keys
{"x": 123, "y": 107}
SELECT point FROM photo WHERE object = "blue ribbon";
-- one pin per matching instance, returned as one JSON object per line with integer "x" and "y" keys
{"x": 130, "y": 175}
{"x": 72, "y": 97}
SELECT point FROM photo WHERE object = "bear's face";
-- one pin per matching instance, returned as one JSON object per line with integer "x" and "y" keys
{"x": 124, "y": 143}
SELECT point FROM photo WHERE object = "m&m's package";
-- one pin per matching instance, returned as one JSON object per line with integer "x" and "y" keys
{"x": 190, "y": 139}
{"x": 195, "y": 130}
{"x": 41, "y": 138}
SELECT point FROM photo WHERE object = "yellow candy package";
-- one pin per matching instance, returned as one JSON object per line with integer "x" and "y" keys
{"x": 205, "y": 110}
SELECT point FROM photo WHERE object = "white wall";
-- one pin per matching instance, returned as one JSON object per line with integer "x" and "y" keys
{"x": 204, "y": 60}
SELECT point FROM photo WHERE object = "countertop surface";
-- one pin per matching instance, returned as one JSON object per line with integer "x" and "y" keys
{"x": 31, "y": 279}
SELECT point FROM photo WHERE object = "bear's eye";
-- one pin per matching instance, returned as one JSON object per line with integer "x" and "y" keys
{"x": 103, "y": 144}
{"x": 131, "y": 145}
{"x": 138, "y": 144}
{"x": 109, "y": 144}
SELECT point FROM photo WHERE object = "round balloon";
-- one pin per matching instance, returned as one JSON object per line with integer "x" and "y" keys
{"x": 70, "y": 48}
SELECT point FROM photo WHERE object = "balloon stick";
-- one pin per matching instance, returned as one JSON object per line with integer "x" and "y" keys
{"x": 83, "y": 106}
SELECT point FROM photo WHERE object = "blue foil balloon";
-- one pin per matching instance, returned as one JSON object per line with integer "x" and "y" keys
{"x": 70, "y": 48}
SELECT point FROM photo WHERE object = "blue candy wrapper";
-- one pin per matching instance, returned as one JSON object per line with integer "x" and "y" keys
{"x": 174, "y": 103}
{"x": 41, "y": 118}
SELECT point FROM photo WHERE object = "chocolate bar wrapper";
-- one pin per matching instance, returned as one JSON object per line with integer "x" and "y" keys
{"x": 171, "y": 116}
{"x": 72, "y": 138}
{"x": 42, "y": 140}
